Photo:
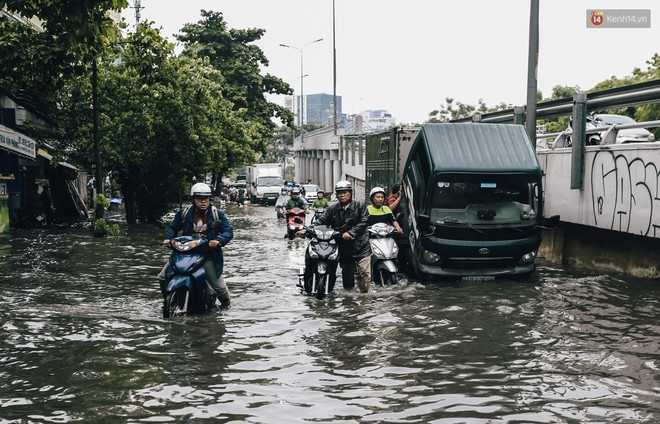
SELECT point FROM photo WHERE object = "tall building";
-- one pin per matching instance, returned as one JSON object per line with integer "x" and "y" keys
{"x": 377, "y": 119}
{"x": 318, "y": 108}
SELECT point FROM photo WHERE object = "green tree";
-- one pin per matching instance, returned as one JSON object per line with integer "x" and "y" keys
{"x": 163, "y": 121}
{"x": 233, "y": 53}
{"x": 36, "y": 64}
{"x": 451, "y": 110}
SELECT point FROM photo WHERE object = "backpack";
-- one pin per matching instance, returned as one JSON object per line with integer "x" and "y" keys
{"x": 187, "y": 209}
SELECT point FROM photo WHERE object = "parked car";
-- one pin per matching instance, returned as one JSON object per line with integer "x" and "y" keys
{"x": 631, "y": 135}
{"x": 310, "y": 191}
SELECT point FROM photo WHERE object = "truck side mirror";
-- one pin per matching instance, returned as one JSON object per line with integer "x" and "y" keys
{"x": 424, "y": 223}
{"x": 549, "y": 223}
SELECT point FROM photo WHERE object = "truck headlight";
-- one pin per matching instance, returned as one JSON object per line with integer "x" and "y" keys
{"x": 429, "y": 257}
{"x": 528, "y": 257}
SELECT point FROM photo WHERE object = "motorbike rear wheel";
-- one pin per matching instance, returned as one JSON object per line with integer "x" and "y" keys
{"x": 176, "y": 303}
{"x": 321, "y": 281}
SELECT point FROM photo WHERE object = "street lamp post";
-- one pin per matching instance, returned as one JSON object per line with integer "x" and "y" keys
{"x": 302, "y": 91}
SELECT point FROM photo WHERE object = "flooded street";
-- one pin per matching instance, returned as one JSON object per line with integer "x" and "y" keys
{"x": 83, "y": 339}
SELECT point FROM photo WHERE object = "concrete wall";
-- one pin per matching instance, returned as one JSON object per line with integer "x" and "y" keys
{"x": 613, "y": 222}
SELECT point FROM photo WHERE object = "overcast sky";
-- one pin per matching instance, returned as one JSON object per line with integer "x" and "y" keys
{"x": 407, "y": 56}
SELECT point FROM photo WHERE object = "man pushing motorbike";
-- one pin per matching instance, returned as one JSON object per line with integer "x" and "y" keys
{"x": 196, "y": 220}
{"x": 349, "y": 217}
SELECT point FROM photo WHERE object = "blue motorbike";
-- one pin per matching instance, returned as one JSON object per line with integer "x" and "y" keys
{"x": 187, "y": 290}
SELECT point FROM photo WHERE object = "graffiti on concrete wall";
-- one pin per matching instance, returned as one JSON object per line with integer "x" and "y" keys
{"x": 625, "y": 194}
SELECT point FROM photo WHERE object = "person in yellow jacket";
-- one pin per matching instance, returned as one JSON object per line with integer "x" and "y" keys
{"x": 378, "y": 212}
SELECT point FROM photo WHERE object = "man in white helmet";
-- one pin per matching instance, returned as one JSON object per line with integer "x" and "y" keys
{"x": 196, "y": 221}
{"x": 349, "y": 217}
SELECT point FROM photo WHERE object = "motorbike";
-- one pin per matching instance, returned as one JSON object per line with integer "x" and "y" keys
{"x": 321, "y": 260}
{"x": 233, "y": 196}
{"x": 384, "y": 252}
{"x": 295, "y": 221}
{"x": 592, "y": 139}
{"x": 187, "y": 290}
{"x": 317, "y": 213}
{"x": 279, "y": 204}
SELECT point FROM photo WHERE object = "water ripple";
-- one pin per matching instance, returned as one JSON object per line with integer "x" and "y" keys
{"x": 83, "y": 340}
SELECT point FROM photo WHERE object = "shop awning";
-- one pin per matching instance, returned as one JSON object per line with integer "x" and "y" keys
{"x": 44, "y": 154}
{"x": 17, "y": 143}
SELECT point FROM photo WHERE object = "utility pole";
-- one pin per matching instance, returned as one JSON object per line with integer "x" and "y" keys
{"x": 334, "y": 72}
{"x": 137, "y": 6}
{"x": 302, "y": 91}
{"x": 532, "y": 68}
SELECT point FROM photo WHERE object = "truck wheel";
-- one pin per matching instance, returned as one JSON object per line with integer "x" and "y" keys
{"x": 418, "y": 274}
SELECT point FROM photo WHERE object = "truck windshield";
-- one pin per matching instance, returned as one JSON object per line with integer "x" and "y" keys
{"x": 487, "y": 199}
{"x": 270, "y": 181}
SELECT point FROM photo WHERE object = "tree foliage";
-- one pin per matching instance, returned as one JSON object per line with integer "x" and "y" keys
{"x": 233, "y": 53}
{"x": 163, "y": 121}
{"x": 452, "y": 110}
{"x": 641, "y": 113}
{"x": 36, "y": 64}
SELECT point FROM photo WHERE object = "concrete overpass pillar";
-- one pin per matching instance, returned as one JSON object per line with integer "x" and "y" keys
{"x": 328, "y": 183}
{"x": 318, "y": 171}
{"x": 297, "y": 163}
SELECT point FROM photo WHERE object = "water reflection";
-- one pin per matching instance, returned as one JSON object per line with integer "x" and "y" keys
{"x": 83, "y": 339}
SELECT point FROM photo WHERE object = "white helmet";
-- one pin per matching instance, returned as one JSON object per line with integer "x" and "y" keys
{"x": 376, "y": 190}
{"x": 200, "y": 189}
{"x": 343, "y": 186}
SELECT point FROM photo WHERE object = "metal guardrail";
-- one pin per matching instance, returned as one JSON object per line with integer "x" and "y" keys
{"x": 630, "y": 95}
{"x": 609, "y": 137}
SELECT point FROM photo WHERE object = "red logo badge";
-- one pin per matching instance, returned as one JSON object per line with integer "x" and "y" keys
{"x": 597, "y": 18}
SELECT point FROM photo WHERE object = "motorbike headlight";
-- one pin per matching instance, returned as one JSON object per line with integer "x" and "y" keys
{"x": 186, "y": 246}
{"x": 395, "y": 250}
{"x": 334, "y": 255}
{"x": 312, "y": 253}
{"x": 429, "y": 257}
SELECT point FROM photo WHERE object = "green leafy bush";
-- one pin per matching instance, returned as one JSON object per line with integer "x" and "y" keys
{"x": 100, "y": 199}
{"x": 103, "y": 229}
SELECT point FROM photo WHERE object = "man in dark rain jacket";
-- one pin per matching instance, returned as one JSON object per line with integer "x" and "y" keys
{"x": 196, "y": 220}
{"x": 349, "y": 217}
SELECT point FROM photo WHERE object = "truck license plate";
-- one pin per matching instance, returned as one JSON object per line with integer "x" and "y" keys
{"x": 478, "y": 278}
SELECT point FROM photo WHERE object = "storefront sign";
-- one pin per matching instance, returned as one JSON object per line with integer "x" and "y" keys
{"x": 4, "y": 193}
{"x": 17, "y": 142}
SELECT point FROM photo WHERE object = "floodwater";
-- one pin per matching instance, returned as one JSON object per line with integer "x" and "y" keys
{"x": 82, "y": 339}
